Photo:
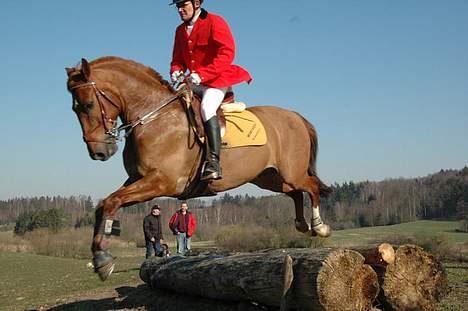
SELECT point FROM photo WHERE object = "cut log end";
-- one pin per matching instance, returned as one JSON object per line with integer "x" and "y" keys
{"x": 346, "y": 283}
{"x": 386, "y": 253}
{"x": 415, "y": 281}
{"x": 377, "y": 255}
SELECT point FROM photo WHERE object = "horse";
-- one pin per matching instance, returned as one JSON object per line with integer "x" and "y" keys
{"x": 161, "y": 153}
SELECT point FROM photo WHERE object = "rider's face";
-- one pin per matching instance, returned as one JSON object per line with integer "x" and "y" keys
{"x": 186, "y": 10}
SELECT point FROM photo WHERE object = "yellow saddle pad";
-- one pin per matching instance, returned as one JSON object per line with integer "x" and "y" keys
{"x": 243, "y": 129}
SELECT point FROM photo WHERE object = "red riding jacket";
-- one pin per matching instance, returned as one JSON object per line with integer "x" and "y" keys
{"x": 208, "y": 51}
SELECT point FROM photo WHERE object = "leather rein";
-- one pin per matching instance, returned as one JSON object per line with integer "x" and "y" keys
{"x": 113, "y": 130}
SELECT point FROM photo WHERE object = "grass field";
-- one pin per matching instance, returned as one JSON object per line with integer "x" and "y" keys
{"x": 31, "y": 281}
{"x": 422, "y": 228}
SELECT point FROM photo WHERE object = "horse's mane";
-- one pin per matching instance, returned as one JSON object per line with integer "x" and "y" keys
{"x": 112, "y": 60}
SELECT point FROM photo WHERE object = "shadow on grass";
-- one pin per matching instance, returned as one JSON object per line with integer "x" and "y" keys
{"x": 128, "y": 298}
{"x": 143, "y": 297}
{"x": 125, "y": 270}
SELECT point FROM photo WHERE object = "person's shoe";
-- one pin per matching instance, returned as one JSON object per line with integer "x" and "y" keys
{"x": 212, "y": 168}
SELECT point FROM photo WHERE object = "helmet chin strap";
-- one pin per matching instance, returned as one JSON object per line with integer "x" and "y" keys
{"x": 195, "y": 10}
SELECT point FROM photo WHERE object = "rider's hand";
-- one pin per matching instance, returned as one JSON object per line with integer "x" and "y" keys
{"x": 176, "y": 75}
{"x": 195, "y": 78}
{"x": 153, "y": 239}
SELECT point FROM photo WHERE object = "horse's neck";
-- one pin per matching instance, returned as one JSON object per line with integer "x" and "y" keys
{"x": 146, "y": 100}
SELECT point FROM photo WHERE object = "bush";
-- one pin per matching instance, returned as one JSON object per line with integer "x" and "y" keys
{"x": 463, "y": 225}
{"x": 251, "y": 237}
{"x": 439, "y": 245}
{"x": 73, "y": 243}
{"x": 54, "y": 219}
{"x": 86, "y": 220}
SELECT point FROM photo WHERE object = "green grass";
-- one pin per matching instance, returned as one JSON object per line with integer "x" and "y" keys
{"x": 418, "y": 228}
{"x": 28, "y": 281}
{"x": 457, "y": 298}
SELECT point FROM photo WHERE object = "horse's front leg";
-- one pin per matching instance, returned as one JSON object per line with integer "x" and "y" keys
{"x": 142, "y": 190}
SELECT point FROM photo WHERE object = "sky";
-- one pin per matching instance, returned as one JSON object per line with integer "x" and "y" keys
{"x": 384, "y": 82}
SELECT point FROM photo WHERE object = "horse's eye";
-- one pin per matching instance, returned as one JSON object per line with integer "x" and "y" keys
{"x": 82, "y": 107}
{"x": 88, "y": 106}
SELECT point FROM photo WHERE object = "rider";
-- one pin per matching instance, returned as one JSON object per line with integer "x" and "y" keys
{"x": 204, "y": 46}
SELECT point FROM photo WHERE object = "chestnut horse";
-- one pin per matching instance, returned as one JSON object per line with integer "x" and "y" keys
{"x": 161, "y": 152}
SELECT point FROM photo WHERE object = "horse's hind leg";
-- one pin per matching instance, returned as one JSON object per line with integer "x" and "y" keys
{"x": 300, "y": 222}
{"x": 313, "y": 189}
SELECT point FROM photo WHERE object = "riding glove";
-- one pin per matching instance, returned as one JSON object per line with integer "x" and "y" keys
{"x": 195, "y": 78}
{"x": 176, "y": 75}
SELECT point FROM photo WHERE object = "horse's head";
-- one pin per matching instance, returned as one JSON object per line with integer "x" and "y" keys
{"x": 96, "y": 110}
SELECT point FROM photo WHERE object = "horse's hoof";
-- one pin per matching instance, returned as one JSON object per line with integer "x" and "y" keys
{"x": 103, "y": 264}
{"x": 105, "y": 271}
{"x": 302, "y": 226}
{"x": 322, "y": 230}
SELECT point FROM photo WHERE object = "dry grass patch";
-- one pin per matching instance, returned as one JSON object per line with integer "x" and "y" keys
{"x": 9, "y": 242}
{"x": 251, "y": 237}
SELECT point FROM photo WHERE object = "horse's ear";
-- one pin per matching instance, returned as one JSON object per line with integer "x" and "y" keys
{"x": 85, "y": 69}
{"x": 69, "y": 70}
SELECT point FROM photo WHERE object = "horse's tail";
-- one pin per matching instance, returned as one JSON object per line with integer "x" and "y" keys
{"x": 324, "y": 189}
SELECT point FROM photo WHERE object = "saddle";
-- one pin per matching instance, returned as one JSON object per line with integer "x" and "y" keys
{"x": 239, "y": 127}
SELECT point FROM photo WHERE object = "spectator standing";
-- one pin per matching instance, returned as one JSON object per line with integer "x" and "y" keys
{"x": 153, "y": 232}
{"x": 183, "y": 225}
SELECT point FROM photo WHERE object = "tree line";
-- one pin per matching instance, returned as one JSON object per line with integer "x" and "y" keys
{"x": 443, "y": 195}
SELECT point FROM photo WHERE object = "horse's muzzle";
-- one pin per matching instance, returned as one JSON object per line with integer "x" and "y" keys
{"x": 101, "y": 151}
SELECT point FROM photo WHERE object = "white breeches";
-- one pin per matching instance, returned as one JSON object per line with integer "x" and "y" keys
{"x": 211, "y": 100}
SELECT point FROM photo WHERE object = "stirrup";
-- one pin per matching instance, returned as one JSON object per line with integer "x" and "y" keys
{"x": 215, "y": 174}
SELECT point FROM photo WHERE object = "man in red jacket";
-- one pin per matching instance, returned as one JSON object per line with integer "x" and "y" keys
{"x": 183, "y": 224}
{"x": 205, "y": 47}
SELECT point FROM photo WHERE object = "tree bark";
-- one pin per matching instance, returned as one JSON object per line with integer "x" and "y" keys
{"x": 322, "y": 279}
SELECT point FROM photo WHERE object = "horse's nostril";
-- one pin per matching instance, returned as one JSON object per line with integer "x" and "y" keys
{"x": 99, "y": 156}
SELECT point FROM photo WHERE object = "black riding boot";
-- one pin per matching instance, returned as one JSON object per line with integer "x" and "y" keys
{"x": 212, "y": 168}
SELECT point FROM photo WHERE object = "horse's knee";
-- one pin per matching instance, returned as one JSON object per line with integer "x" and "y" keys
{"x": 110, "y": 206}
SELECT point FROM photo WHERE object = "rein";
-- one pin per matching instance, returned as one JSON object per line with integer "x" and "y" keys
{"x": 114, "y": 131}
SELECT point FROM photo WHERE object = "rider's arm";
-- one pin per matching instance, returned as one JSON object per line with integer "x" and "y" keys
{"x": 178, "y": 63}
{"x": 225, "y": 50}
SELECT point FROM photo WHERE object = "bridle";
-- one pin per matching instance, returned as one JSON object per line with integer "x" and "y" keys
{"x": 113, "y": 130}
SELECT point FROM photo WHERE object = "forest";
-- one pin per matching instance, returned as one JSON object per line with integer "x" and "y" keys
{"x": 443, "y": 196}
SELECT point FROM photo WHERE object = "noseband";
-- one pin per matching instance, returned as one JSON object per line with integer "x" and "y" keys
{"x": 113, "y": 130}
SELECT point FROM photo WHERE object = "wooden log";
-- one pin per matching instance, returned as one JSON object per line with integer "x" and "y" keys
{"x": 377, "y": 255}
{"x": 415, "y": 281}
{"x": 323, "y": 279}
{"x": 411, "y": 278}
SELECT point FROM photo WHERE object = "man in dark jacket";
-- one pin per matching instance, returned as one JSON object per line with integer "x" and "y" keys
{"x": 153, "y": 232}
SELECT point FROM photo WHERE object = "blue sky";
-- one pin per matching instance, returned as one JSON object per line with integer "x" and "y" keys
{"x": 384, "y": 82}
